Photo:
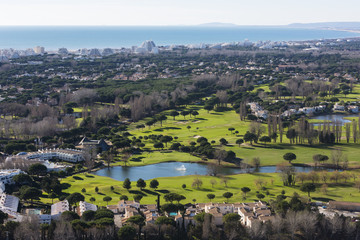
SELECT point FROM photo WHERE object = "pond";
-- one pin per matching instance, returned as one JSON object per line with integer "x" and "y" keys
{"x": 334, "y": 118}
{"x": 175, "y": 169}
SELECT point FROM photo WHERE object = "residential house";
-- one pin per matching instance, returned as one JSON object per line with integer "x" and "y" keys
{"x": 103, "y": 144}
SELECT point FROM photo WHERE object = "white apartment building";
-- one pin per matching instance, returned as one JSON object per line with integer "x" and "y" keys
{"x": 39, "y": 50}
{"x": 58, "y": 208}
{"x": 67, "y": 155}
{"x": 85, "y": 206}
{"x": 9, "y": 202}
{"x": 6, "y": 175}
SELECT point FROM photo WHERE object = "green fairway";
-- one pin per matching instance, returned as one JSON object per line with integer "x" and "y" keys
{"x": 214, "y": 126}
{"x": 272, "y": 154}
{"x": 340, "y": 192}
{"x": 147, "y": 158}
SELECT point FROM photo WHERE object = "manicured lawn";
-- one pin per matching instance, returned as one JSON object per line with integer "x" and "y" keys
{"x": 272, "y": 154}
{"x": 147, "y": 158}
{"x": 215, "y": 125}
{"x": 340, "y": 192}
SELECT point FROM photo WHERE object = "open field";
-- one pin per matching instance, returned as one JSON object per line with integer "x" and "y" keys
{"x": 341, "y": 191}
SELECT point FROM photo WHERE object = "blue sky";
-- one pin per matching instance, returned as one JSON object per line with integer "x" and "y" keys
{"x": 175, "y": 12}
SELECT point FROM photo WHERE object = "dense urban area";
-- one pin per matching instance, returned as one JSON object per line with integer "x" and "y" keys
{"x": 211, "y": 141}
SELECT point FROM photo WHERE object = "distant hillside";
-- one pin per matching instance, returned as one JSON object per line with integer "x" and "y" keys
{"x": 328, "y": 25}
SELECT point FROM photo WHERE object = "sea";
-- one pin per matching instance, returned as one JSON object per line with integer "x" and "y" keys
{"x": 77, "y": 37}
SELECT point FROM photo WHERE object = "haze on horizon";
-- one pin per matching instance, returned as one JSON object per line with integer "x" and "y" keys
{"x": 165, "y": 12}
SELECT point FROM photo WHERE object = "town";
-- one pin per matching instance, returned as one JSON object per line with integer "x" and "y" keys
{"x": 233, "y": 140}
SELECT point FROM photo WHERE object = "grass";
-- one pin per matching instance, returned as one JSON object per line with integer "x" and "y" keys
{"x": 215, "y": 125}
{"x": 148, "y": 158}
{"x": 339, "y": 192}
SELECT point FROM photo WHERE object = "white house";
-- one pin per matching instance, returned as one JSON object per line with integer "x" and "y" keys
{"x": 353, "y": 109}
{"x": 250, "y": 212}
{"x": 338, "y": 107}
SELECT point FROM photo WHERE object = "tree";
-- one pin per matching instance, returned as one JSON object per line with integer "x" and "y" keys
{"x": 223, "y": 141}
{"x": 289, "y": 157}
{"x": 88, "y": 215}
{"x": 317, "y": 158}
{"x": 256, "y": 128}
{"x": 210, "y": 196}
{"x": 31, "y": 193}
{"x": 239, "y": 141}
{"x": 37, "y": 169}
{"x": 103, "y": 213}
{"x": 194, "y": 113}
{"x": 154, "y": 184}
{"x": 174, "y": 114}
{"x": 150, "y": 123}
{"x": 137, "y": 220}
{"x": 127, "y": 184}
{"x": 231, "y": 217}
{"x": 138, "y": 197}
{"x": 92, "y": 199}
{"x": 124, "y": 197}
{"x": 250, "y": 137}
{"x": 170, "y": 197}
{"x": 52, "y": 196}
{"x": 308, "y": 187}
{"x": 107, "y": 199}
{"x": 3, "y": 217}
{"x": 161, "y": 118}
{"x": 245, "y": 190}
{"x": 260, "y": 196}
{"x": 141, "y": 183}
{"x": 169, "y": 207}
{"x": 274, "y": 136}
{"x": 185, "y": 113}
{"x": 265, "y": 139}
{"x": 227, "y": 195}
{"x": 22, "y": 179}
{"x": 231, "y": 129}
{"x": 208, "y": 107}
{"x": 74, "y": 198}
{"x": 69, "y": 216}
{"x": 163, "y": 220}
{"x": 159, "y": 145}
{"x": 166, "y": 139}
{"x": 127, "y": 233}
{"x": 96, "y": 189}
{"x": 213, "y": 182}
{"x": 197, "y": 183}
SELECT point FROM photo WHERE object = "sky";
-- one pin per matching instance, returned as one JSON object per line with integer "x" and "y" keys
{"x": 175, "y": 12}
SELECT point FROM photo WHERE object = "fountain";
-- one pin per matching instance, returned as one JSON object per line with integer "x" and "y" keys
{"x": 182, "y": 168}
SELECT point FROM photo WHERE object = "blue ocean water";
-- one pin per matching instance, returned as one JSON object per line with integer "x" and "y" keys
{"x": 120, "y": 36}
